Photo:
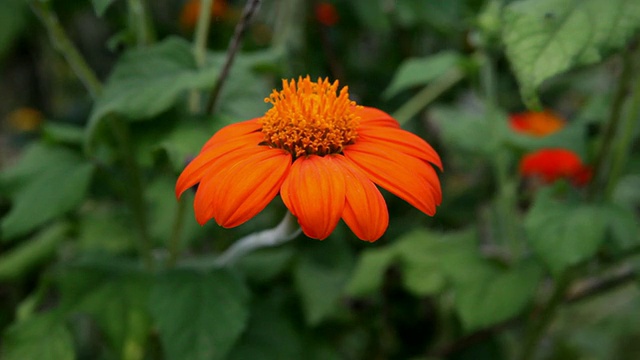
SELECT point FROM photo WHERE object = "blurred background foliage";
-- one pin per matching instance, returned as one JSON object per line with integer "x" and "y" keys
{"x": 103, "y": 103}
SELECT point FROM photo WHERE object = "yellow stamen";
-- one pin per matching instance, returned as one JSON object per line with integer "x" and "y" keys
{"x": 310, "y": 118}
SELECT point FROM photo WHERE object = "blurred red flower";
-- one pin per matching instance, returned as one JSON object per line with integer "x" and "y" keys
{"x": 552, "y": 164}
{"x": 326, "y": 14}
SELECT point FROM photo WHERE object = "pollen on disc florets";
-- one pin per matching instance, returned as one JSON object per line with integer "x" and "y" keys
{"x": 310, "y": 118}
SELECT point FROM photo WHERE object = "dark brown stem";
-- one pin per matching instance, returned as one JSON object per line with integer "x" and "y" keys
{"x": 234, "y": 45}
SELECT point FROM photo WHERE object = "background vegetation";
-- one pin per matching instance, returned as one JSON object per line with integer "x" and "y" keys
{"x": 103, "y": 102}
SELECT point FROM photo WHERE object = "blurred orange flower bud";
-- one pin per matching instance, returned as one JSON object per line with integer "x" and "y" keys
{"x": 536, "y": 123}
{"x": 191, "y": 12}
{"x": 25, "y": 119}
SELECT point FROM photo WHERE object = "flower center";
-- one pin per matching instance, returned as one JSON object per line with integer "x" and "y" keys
{"x": 310, "y": 118}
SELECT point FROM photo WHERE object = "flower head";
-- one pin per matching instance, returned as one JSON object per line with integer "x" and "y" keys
{"x": 552, "y": 164}
{"x": 536, "y": 123}
{"x": 191, "y": 11}
{"x": 323, "y": 154}
{"x": 326, "y": 14}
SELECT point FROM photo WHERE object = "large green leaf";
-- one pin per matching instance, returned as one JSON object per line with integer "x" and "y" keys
{"x": 467, "y": 130}
{"x": 320, "y": 276}
{"x": 429, "y": 261}
{"x": 48, "y": 182}
{"x": 22, "y": 258}
{"x": 369, "y": 273}
{"x": 101, "y": 6}
{"x": 42, "y": 337}
{"x": 199, "y": 315}
{"x": 115, "y": 294}
{"x": 145, "y": 82}
{"x": 420, "y": 71}
{"x": 544, "y": 38}
{"x": 564, "y": 234}
{"x": 13, "y": 17}
{"x": 497, "y": 296}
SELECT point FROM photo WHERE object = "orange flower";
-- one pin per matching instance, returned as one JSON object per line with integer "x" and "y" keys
{"x": 191, "y": 12}
{"x": 323, "y": 154}
{"x": 552, "y": 164}
{"x": 326, "y": 14}
{"x": 536, "y": 123}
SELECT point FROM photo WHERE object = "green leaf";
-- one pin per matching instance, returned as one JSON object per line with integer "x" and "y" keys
{"x": 498, "y": 296}
{"x": 115, "y": 295}
{"x": 572, "y": 137}
{"x": 271, "y": 334}
{"x": 101, "y": 6}
{"x": 420, "y": 71}
{"x": 623, "y": 225}
{"x": 199, "y": 315}
{"x": 369, "y": 273}
{"x": 17, "y": 261}
{"x": 265, "y": 265}
{"x": 42, "y": 337}
{"x": 320, "y": 276}
{"x": 544, "y": 38}
{"x": 564, "y": 234}
{"x": 48, "y": 182}
{"x": 464, "y": 129}
{"x": 429, "y": 260}
{"x": 13, "y": 17}
{"x": 148, "y": 81}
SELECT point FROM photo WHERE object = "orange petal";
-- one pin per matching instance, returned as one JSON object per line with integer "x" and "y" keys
{"x": 365, "y": 211}
{"x": 374, "y": 117}
{"x": 401, "y": 140}
{"x": 407, "y": 177}
{"x": 193, "y": 173}
{"x": 233, "y": 131}
{"x": 314, "y": 191}
{"x": 243, "y": 190}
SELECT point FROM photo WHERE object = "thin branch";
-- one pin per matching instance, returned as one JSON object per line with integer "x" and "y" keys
{"x": 61, "y": 42}
{"x": 427, "y": 95}
{"x": 234, "y": 45}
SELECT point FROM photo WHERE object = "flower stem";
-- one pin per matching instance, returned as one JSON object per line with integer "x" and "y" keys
{"x": 539, "y": 327}
{"x": 621, "y": 148}
{"x": 506, "y": 186}
{"x": 234, "y": 45}
{"x": 135, "y": 193}
{"x": 176, "y": 231}
{"x": 285, "y": 231}
{"x": 199, "y": 50}
{"x": 61, "y": 42}
{"x": 612, "y": 127}
{"x": 139, "y": 21}
{"x": 423, "y": 98}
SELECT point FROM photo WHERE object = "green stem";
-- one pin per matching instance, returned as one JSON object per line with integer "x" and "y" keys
{"x": 140, "y": 23}
{"x": 176, "y": 232}
{"x": 629, "y": 123}
{"x": 135, "y": 190}
{"x": 61, "y": 42}
{"x": 200, "y": 50}
{"x": 507, "y": 187}
{"x": 540, "y": 326}
{"x": 431, "y": 92}
{"x": 202, "y": 32}
{"x": 612, "y": 127}
{"x": 287, "y": 230}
